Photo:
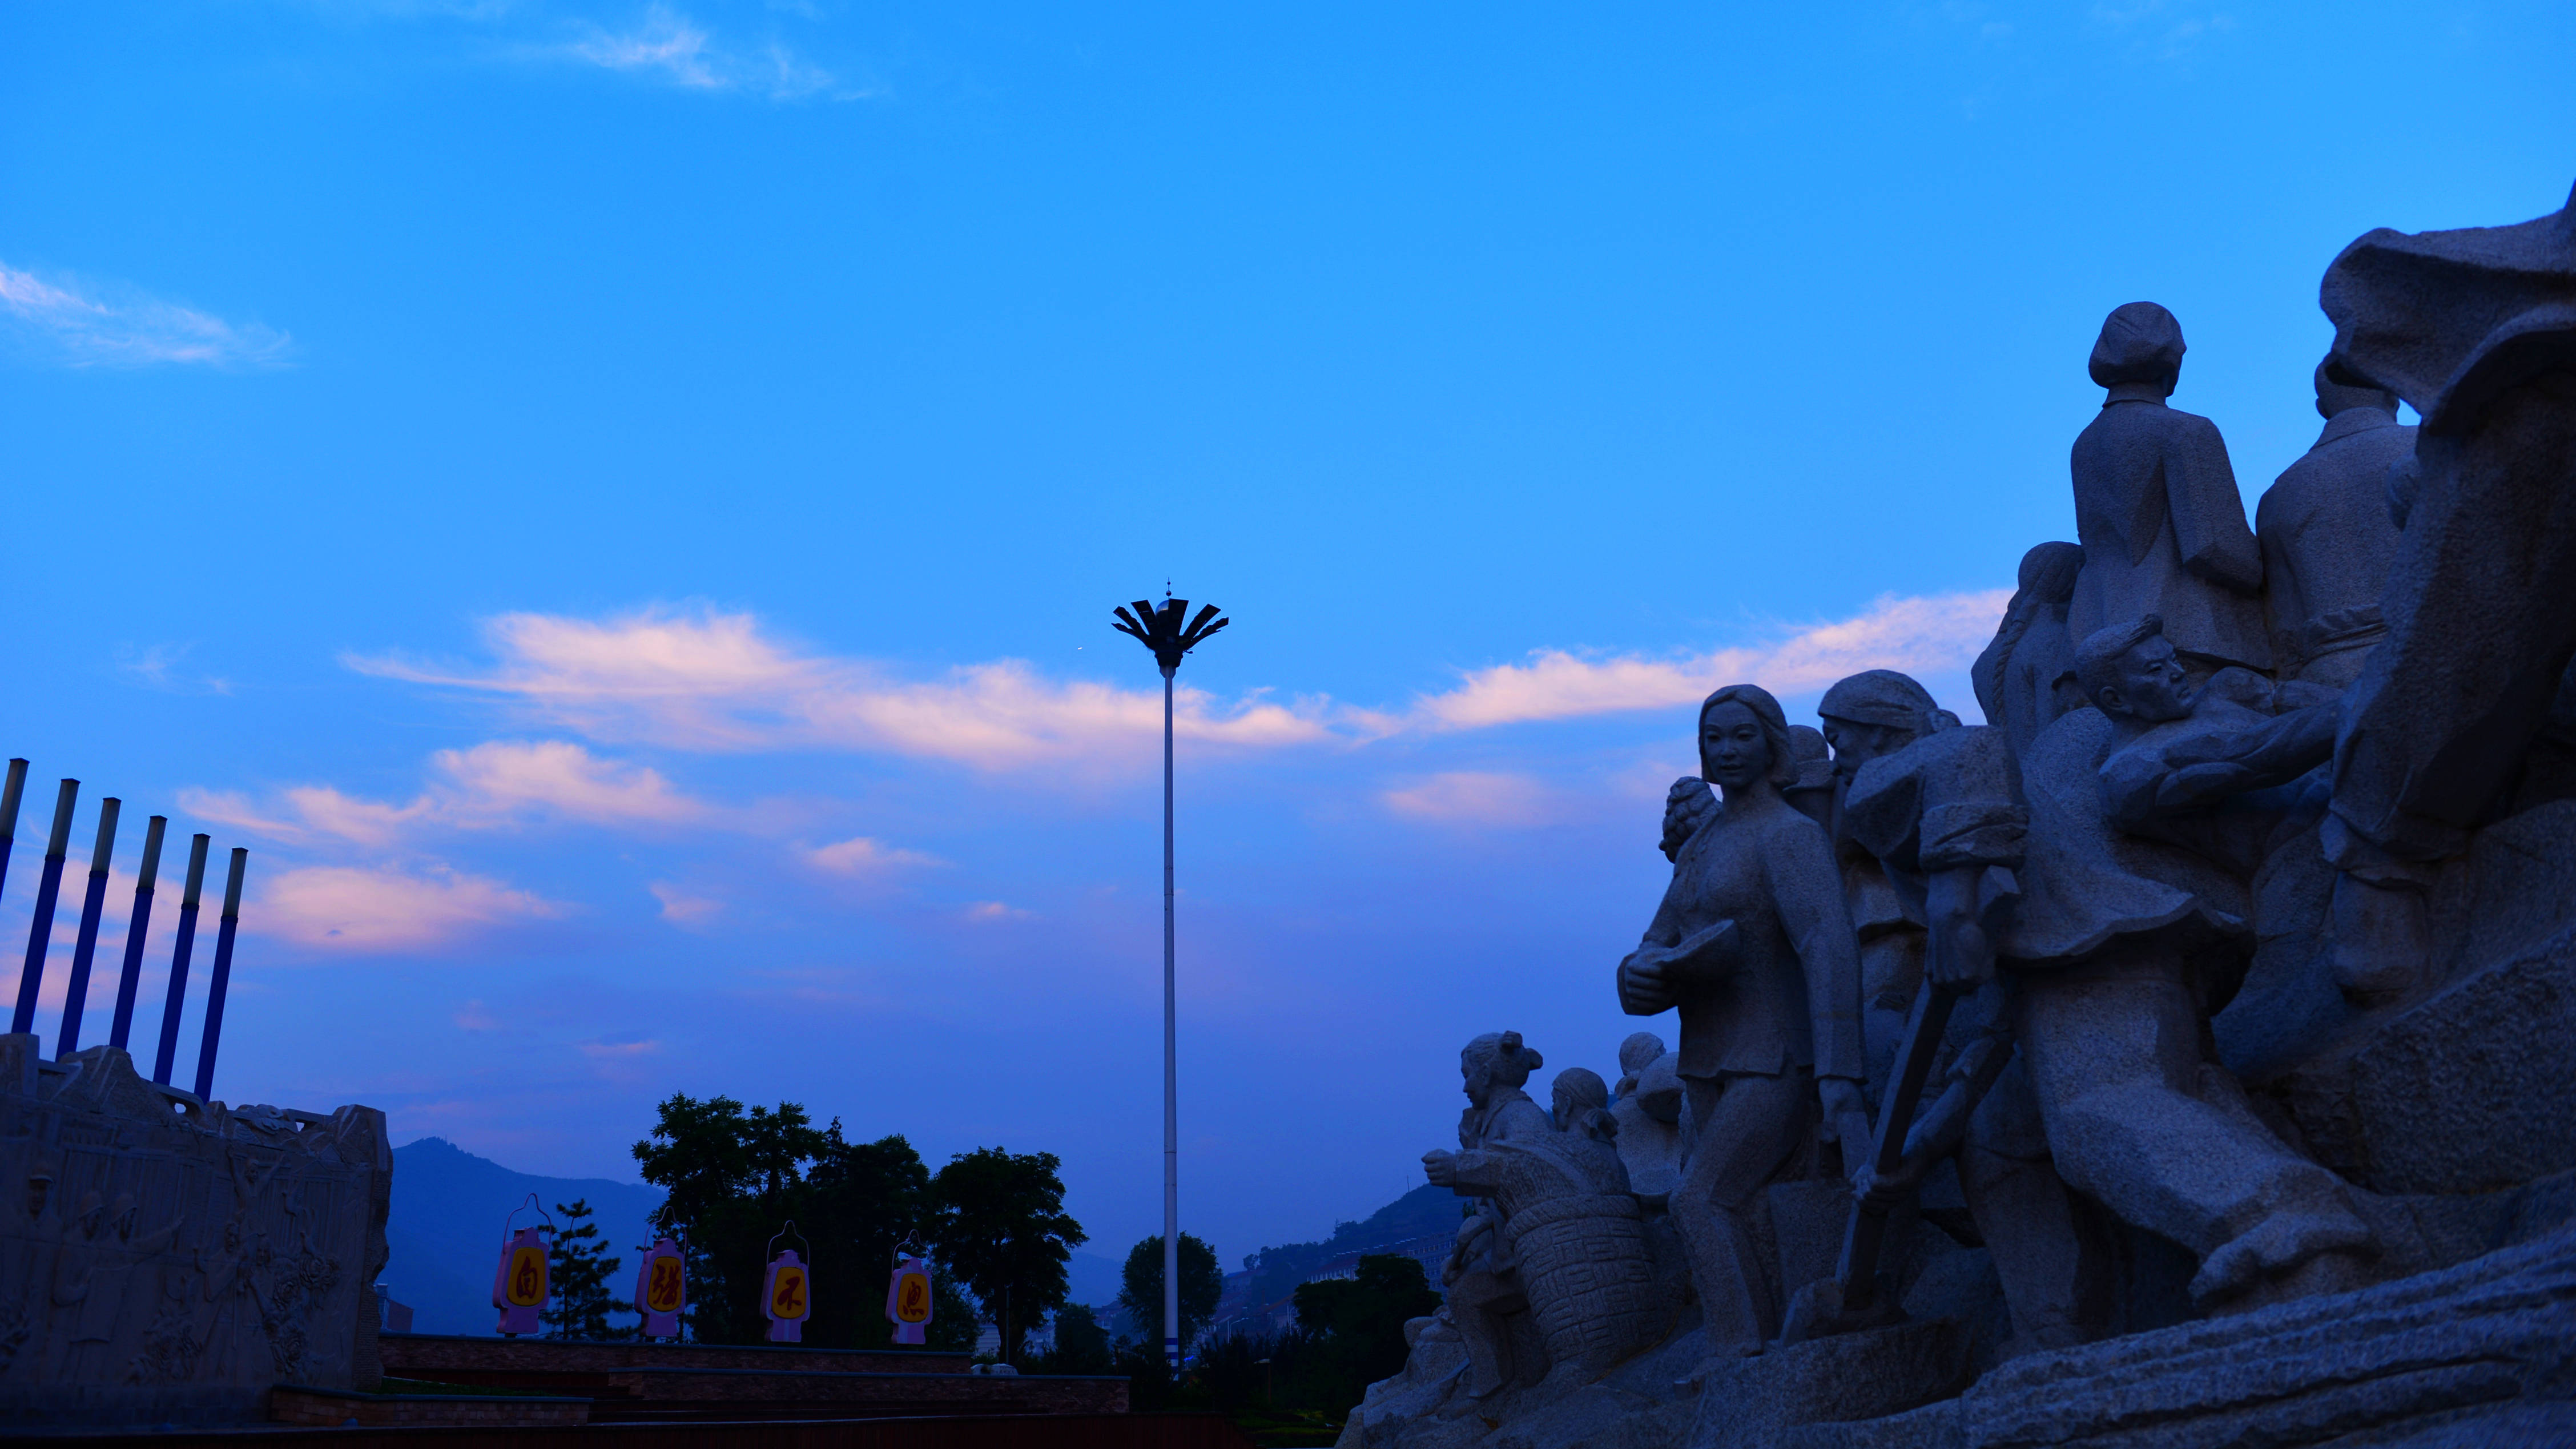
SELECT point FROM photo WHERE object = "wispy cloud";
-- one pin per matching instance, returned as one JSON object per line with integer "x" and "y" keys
{"x": 1916, "y": 635}
{"x": 387, "y": 910}
{"x": 683, "y": 909}
{"x": 493, "y": 785}
{"x": 670, "y": 46}
{"x": 866, "y": 857}
{"x": 95, "y": 325}
{"x": 1487, "y": 799}
{"x": 713, "y": 681}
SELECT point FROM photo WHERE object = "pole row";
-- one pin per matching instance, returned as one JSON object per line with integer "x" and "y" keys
{"x": 40, "y": 929}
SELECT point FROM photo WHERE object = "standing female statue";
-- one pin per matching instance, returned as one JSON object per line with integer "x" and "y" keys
{"x": 1754, "y": 944}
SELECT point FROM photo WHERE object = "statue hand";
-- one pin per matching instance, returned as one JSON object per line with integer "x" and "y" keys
{"x": 1841, "y": 1099}
{"x": 1643, "y": 987}
{"x": 1440, "y": 1168}
{"x": 1963, "y": 954}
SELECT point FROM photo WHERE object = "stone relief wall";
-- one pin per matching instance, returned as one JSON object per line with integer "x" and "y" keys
{"x": 166, "y": 1260}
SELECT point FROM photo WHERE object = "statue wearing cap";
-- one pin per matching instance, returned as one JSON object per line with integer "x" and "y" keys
{"x": 1936, "y": 807}
{"x": 2156, "y": 507}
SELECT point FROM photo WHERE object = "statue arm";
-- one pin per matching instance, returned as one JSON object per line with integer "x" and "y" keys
{"x": 2140, "y": 787}
{"x": 2208, "y": 513}
{"x": 1807, "y": 890}
{"x": 1645, "y": 987}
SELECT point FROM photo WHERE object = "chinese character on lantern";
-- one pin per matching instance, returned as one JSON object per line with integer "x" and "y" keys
{"x": 786, "y": 1295}
{"x": 909, "y": 1299}
{"x": 661, "y": 1283}
{"x": 520, "y": 1283}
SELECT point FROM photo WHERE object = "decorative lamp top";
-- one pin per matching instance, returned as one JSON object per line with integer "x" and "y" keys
{"x": 1162, "y": 631}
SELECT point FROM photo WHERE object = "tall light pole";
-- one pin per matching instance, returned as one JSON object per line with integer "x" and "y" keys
{"x": 1162, "y": 631}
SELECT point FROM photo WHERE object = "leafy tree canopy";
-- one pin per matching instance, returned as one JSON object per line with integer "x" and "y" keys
{"x": 1140, "y": 1290}
{"x": 1001, "y": 1227}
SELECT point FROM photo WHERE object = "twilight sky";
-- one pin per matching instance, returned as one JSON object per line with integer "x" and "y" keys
{"x": 618, "y": 504}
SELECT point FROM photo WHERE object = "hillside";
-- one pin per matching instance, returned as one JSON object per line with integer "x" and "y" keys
{"x": 445, "y": 1228}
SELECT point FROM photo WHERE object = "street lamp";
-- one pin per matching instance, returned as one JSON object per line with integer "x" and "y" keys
{"x": 1162, "y": 631}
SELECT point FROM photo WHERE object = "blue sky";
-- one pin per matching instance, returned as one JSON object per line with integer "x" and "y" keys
{"x": 618, "y": 505}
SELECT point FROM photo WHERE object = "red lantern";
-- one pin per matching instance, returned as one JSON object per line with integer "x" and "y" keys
{"x": 909, "y": 1299}
{"x": 520, "y": 1284}
{"x": 661, "y": 1289}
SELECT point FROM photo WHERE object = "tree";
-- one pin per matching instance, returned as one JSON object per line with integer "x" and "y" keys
{"x": 1003, "y": 1231}
{"x": 1081, "y": 1343}
{"x": 1360, "y": 1322}
{"x": 580, "y": 1271}
{"x": 1140, "y": 1289}
{"x": 733, "y": 1178}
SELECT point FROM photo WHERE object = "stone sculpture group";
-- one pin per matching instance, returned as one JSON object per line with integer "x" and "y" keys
{"x": 2225, "y": 977}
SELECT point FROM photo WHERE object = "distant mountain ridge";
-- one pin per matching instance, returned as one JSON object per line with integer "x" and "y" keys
{"x": 444, "y": 1231}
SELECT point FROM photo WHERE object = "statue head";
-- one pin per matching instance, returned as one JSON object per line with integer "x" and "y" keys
{"x": 2048, "y": 571}
{"x": 2130, "y": 671}
{"x": 2140, "y": 343}
{"x": 1581, "y": 1103}
{"x": 1744, "y": 738}
{"x": 2339, "y": 391}
{"x": 1639, "y": 1052}
{"x": 1496, "y": 1059}
{"x": 1877, "y": 712}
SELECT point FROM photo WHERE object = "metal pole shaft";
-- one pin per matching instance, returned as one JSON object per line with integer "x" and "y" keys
{"x": 1171, "y": 1073}
{"x": 40, "y": 929}
{"x": 223, "y": 975}
{"x": 9, "y": 794}
{"x": 85, "y": 945}
{"x": 129, "y": 978}
{"x": 179, "y": 954}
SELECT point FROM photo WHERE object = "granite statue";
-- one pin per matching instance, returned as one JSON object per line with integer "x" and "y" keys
{"x": 1935, "y": 803}
{"x": 2025, "y": 679}
{"x": 2156, "y": 506}
{"x": 2329, "y": 536}
{"x": 1650, "y": 1106}
{"x": 2465, "y": 703}
{"x": 2134, "y": 925}
{"x": 1571, "y": 1230}
{"x": 1487, "y": 1304}
{"x": 1754, "y": 947}
{"x": 2234, "y": 1099}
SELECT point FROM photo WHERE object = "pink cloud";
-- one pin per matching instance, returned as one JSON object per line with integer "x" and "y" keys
{"x": 344, "y": 908}
{"x": 866, "y": 856}
{"x": 683, "y": 909}
{"x": 714, "y": 681}
{"x": 1478, "y": 798}
{"x": 1928, "y": 635}
{"x": 497, "y": 784}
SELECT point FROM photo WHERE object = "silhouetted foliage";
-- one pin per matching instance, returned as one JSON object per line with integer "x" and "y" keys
{"x": 736, "y": 1176}
{"x": 1081, "y": 1344}
{"x": 1355, "y": 1328}
{"x": 1140, "y": 1290}
{"x": 1001, "y": 1226}
{"x": 579, "y": 1271}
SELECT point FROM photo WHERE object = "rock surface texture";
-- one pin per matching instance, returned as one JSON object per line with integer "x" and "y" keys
{"x": 167, "y": 1261}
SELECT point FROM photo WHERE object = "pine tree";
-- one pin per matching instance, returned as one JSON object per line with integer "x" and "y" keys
{"x": 582, "y": 1271}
